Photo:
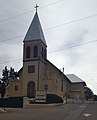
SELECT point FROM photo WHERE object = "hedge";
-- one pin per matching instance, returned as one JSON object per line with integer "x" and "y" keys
{"x": 52, "y": 98}
{"x": 12, "y": 102}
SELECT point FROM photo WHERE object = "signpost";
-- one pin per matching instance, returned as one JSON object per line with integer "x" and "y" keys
{"x": 40, "y": 96}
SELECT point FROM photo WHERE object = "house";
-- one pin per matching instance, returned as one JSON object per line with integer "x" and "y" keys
{"x": 77, "y": 87}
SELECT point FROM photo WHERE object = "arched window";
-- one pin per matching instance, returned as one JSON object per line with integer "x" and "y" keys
{"x": 28, "y": 52}
{"x": 43, "y": 53}
{"x": 35, "y": 51}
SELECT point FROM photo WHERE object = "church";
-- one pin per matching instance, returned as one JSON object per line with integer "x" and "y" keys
{"x": 38, "y": 73}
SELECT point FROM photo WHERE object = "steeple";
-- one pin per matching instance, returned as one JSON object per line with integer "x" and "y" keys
{"x": 35, "y": 30}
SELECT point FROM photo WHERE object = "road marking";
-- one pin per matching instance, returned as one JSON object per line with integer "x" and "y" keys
{"x": 87, "y": 115}
{"x": 83, "y": 106}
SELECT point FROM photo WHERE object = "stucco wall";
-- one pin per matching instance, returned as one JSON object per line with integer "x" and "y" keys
{"x": 76, "y": 90}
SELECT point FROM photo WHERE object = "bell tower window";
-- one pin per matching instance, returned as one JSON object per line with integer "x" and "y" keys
{"x": 43, "y": 53}
{"x": 35, "y": 51}
{"x": 28, "y": 52}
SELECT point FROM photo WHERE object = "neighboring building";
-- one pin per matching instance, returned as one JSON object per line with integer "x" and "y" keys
{"x": 37, "y": 72}
{"x": 76, "y": 88}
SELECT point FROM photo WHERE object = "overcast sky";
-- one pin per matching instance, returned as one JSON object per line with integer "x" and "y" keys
{"x": 66, "y": 23}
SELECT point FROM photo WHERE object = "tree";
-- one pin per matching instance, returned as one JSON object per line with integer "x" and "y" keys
{"x": 12, "y": 73}
{"x": 88, "y": 93}
{"x": 7, "y": 75}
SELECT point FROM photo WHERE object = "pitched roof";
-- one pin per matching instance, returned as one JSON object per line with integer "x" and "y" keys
{"x": 35, "y": 31}
{"x": 74, "y": 79}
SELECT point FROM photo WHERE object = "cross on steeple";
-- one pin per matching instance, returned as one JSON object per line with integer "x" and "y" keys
{"x": 36, "y": 7}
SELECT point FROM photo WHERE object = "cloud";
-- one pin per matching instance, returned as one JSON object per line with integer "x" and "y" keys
{"x": 74, "y": 53}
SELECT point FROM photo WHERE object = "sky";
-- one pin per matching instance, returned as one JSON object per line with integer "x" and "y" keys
{"x": 70, "y": 29}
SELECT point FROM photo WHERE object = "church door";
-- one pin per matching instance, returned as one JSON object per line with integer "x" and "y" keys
{"x": 31, "y": 89}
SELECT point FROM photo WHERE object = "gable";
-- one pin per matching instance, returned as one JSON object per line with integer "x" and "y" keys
{"x": 55, "y": 70}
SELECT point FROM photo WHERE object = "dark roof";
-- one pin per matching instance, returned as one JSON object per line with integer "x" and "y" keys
{"x": 35, "y": 31}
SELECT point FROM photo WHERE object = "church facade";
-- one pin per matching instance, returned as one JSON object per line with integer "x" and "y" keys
{"x": 38, "y": 73}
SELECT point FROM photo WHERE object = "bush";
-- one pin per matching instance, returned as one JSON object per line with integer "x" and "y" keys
{"x": 95, "y": 97}
{"x": 52, "y": 98}
{"x": 12, "y": 102}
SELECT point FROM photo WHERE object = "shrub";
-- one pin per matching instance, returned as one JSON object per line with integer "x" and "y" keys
{"x": 12, "y": 102}
{"x": 95, "y": 97}
{"x": 52, "y": 98}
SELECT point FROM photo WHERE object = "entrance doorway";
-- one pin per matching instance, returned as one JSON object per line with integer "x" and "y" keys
{"x": 31, "y": 89}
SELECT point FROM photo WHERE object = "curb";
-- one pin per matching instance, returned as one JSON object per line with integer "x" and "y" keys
{"x": 42, "y": 105}
{"x": 2, "y": 110}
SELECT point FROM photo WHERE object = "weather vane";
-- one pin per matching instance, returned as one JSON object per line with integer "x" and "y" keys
{"x": 36, "y": 7}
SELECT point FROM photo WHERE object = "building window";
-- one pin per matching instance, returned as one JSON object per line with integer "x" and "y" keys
{"x": 62, "y": 85}
{"x": 35, "y": 51}
{"x": 28, "y": 52}
{"x": 43, "y": 53}
{"x": 16, "y": 88}
{"x": 31, "y": 69}
{"x": 45, "y": 87}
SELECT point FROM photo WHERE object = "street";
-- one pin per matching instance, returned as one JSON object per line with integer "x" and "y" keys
{"x": 62, "y": 112}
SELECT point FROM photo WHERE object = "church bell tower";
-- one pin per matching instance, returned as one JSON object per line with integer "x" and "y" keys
{"x": 34, "y": 58}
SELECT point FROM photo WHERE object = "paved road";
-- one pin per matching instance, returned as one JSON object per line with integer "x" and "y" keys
{"x": 63, "y": 112}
